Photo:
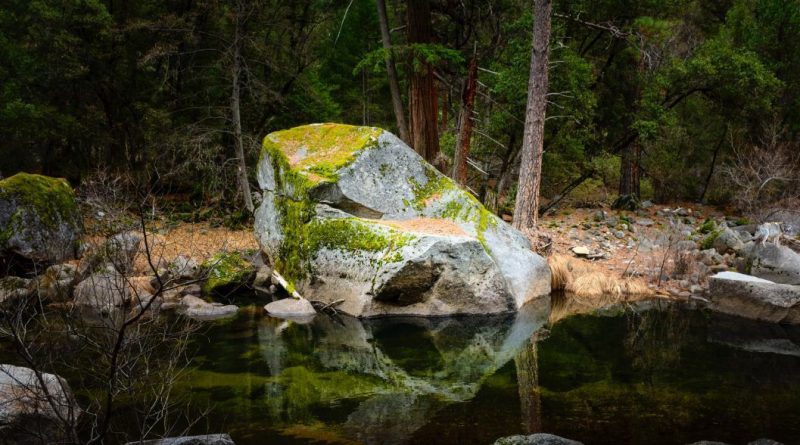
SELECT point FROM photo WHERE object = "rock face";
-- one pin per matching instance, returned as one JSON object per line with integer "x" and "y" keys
{"x": 39, "y": 219}
{"x": 22, "y": 395}
{"x": 353, "y": 213}
{"x": 775, "y": 263}
{"x": 752, "y": 297}
{"x": 206, "y": 439}
{"x": 536, "y": 439}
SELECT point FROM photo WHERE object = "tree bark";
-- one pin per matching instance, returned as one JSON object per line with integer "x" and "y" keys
{"x": 465, "y": 124}
{"x": 422, "y": 98}
{"x": 629, "y": 174}
{"x": 391, "y": 72}
{"x": 244, "y": 184}
{"x": 530, "y": 175}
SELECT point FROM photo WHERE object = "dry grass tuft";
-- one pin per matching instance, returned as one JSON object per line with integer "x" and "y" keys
{"x": 584, "y": 279}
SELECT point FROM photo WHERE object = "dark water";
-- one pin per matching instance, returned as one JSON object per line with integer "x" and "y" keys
{"x": 661, "y": 376}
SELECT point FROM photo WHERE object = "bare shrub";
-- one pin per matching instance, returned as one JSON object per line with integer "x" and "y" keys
{"x": 764, "y": 174}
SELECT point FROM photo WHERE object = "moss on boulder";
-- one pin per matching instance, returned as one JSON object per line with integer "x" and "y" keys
{"x": 39, "y": 218}
{"x": 226, "y": 271}
{"x": 353, "y": 213}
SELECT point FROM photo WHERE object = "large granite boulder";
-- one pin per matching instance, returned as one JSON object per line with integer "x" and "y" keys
{"x": 756, "y": 298}
{"x": 353, "y": 213}
{"x": 39, "y": 219}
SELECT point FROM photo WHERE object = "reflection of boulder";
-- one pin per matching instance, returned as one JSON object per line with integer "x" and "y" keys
{"x": 376, "y": 420}
{"x": 754, "y": 336}
{"x": 409, "y": 365}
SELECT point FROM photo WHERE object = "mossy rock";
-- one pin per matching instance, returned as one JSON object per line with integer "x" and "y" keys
{"x": 353, "y": 213}
{"x": 225, "y": 272}
{"x": 39, "y": 218}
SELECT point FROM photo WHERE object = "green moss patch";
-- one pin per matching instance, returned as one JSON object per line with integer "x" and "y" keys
{"x": 318, "y": 151}
{"x": 226, "y": 269}
{"x": 51, "y": 198}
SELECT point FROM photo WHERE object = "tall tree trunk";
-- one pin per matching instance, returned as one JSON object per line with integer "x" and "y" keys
{"x": 530, "y": 173}
{"x": 422, "y": 98}
{"x": 391, "y": 72}
{"x": 244, "y": 184}
{"x": 630, "y": 166}
{"x": 465, "y": 124}
{"x": 629, "y": 170}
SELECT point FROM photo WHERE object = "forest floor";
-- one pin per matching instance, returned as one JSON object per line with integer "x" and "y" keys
{"x": 643, "y": 244}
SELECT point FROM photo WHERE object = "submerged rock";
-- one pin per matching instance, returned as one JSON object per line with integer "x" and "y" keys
{"x": 353, "y": 213}
{"x": 752, "y": 297}
{"x": 206, "y": 439}
{"x": 39, "y": 218}
{"x": 536, "y": 439}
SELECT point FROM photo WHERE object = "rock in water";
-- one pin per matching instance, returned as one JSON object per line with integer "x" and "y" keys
{"x": 39, "y": 219}
{"x": 207, "y": 439}
{"x": 536, "y": 439}
{"x": 353, "y": 213}
{"x": 22, "y": 394}
{"x": 290, "y": 307}
{"x": 752, "y": 297}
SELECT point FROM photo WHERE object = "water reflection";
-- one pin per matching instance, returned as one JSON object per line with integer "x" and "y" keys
{"x": 647, "y": 373}
{"x": 395, "y": 365}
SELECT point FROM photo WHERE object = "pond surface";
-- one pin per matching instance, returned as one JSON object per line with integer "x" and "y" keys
{"x": 659, "y": 376}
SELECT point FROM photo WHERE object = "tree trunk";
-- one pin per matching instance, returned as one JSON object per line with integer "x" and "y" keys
{"x": 465, "y": 124}
{"x": 391, "y": 72}
{"x": 244, "y": 184}
{"x": 629, "y": 170}
{"x": 530, "y": 174}
{"x": 424, "y": 131}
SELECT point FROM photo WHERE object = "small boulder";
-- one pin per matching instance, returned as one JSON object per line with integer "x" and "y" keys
{"x": 103, "y": 290}
{"x": 200, "y": 309}
{"x": 290, "y": 307}
{"x": 775, "y": 263}
{"x": 756, "y": 298}
{"x": 536, "y": 439}
{"x": 206, "y": 439}
{"x": 263, "y": 277}
{"x": 728, "y": 241}
{"x": 13, "y": 288}
{"x": 39, "y": 218}
{"x": 184, "y": 268}
{"x": 226, "y": 272}
{"x": 56, "y": 283}
{"x": 22, "y": 395}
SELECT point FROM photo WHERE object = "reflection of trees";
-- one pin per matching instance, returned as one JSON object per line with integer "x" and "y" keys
{"x": 527, "y": 364}
{"x": 655, "y": 338}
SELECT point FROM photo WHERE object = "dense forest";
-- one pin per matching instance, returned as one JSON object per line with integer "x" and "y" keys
{"x": 678, "y": 100}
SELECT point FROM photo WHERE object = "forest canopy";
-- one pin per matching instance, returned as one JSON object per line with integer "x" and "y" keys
{"x": 664, "y": 100}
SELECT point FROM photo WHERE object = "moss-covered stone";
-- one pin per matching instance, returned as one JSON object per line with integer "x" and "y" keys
{"x": 318, "y": 151}
{"x": 226, "y": 270}
{"x": 39, "y": 217}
